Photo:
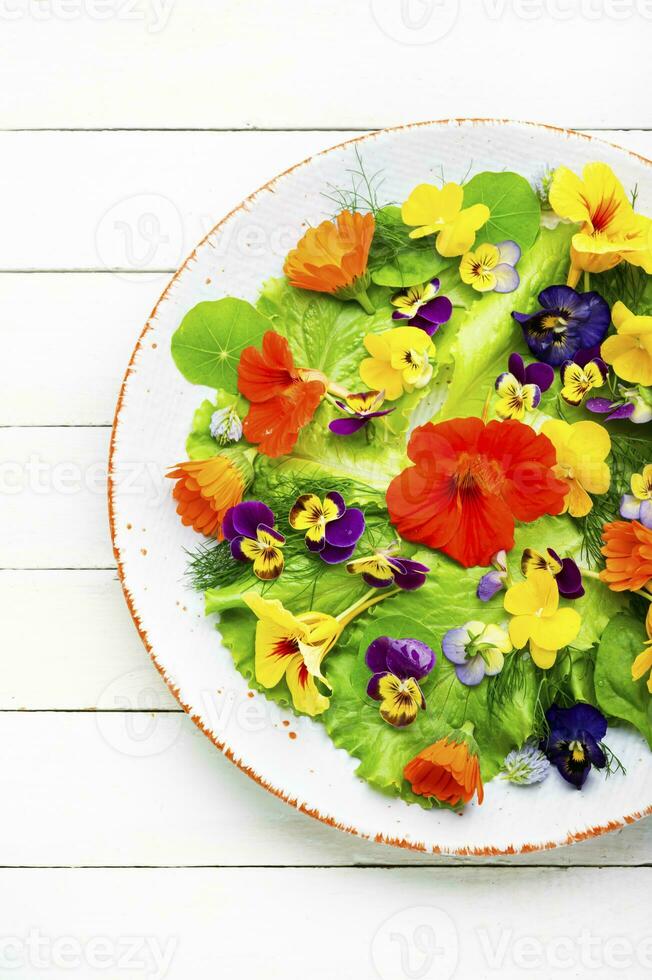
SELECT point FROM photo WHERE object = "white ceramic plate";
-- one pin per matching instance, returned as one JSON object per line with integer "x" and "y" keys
{"x": 291, "y": 757}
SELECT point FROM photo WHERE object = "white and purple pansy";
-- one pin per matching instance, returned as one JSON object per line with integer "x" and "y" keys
{"x": 420, "y": 306}
{"x": 249, "y": 529}
{"x": 476, "y": 650}
{"x": 397, "y": 666}
{"x": 361, "y": 407}
{"x": 567, "y": 322}
{"x": 332, "y": 530}
{"x": 492, "y": 268}
{"x": 383, "y": 569}
{"x": 520, "y": 387}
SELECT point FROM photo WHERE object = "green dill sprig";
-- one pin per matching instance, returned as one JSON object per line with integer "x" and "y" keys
{"x": 614, "y": 764}
{"x": 508, "y": 684}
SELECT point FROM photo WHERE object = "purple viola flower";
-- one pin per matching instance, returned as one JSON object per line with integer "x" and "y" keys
{"x": 573, "y": 742}
{"x": 396, "y": 667}
{"x": 249, "y": 529}
{"x": 567, "y": 322}
{"x": 477, "y": 650}
{"x": 630, "y": 406}
{"x": 383, "y": 569}
{"x": 332, "y": 529}
{"x": 362, "y": 407}
{"x": 565, "y": 571}
{"x": 420, "y": 306}
{"x": 492, "y": 582}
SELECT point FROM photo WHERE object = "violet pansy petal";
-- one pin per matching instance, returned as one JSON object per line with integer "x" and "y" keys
{"x": 409, "y": 581}
{"x": 236, "y": 548}
{"x": 338, "y": 500}
{"x": 507, "y": 278}
{"x": 536, "y": 395}
{"x": 509, "y": 252}
{"x": 376, "y": 655}
{"x": 630, "y": 507}
{"x": 333, "y": 555}
{"x": 586, "y": 354}
{"x": 454, "y": 645}
{"x": 490, "y": 584}
{"x": 248, "y": 515}
{"x": 375, "y": 582}
{"x": 645, "y": 515}
{"x": 562, "y": 298}
{"x": 397, "y": 315}
{"x": 472, "y": 672}
{"x": 315, "y": 546}
{"x": 422, "y": 324}
{"x": 374, "y": 684}
{"x": 438, "y": 310}
{"x": 410, "y": 658}
{"x": 347, "y": 529}
{"x": 622, "y": 412}
{"x": 569, "y": 580}
{"x": 541, "y": 375}
{"x": 348, "y": 427}
{"x": 228, "y": 529}
{"x": 516, "y": 366}
{"x": 601, "y": 406}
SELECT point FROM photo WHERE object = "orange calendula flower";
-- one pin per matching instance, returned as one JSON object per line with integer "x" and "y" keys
{"x": 448, "y": 770}
{"x": 611, "y": 230}
{"x": 643, "y": 663}
{"x": 628, "y": 550}
{"x": 332, "y": 258}
{"x": 207, "y": 488}
{"x": 283, "y": 397}
{"x": 630, "y": 350}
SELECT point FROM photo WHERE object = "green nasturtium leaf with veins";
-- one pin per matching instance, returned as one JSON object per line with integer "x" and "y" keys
{"x": 514, "y": 206}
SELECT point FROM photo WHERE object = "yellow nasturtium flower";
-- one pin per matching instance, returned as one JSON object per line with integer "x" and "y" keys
{"x": 582, "y": 449}
{"x": 538, "y": 620}
{"x": 611, "y": 230}
{"x": 643, "y": 663}
{"x": 629, "y": 351}
{"x": 400, "y": 361}
{"x": 436, "y": 211}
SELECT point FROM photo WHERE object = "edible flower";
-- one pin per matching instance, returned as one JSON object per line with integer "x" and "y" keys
{"x": 384, "y": 568}
{"x": 249, "y": 527}
{"x": 283, "y": 398}
{"x": 397, "y": 666}
{"x": 643, "y": 662}
{"x": 422, "y": 307}
{"x": 207, "y": 488}
{"x": 538, "y": 620}
{"x": 469, "y": 483}
{"x": 226, "y": 425}
{"x": 491, "y": 267}
{"x": 439, "y": 212}
{"x": 630, "y": 350}
{"x": 565, "y": 571}
{"x": 362, "y": 407}
{"x": 573, "y": 742}
{"x": 476, "y": 650}
{"x": 525, "y": 766}
{"x": 492, "y": 582}
{"x": 582, "y": 449}
{"x": 568, "y": 321}
{"x": 332, "y": 258}
{"x": 399, "y": 361}
{"x": 520, "y": 387}
{"x": 628, "y": 551}
{"x": 637, "y": 505}
{"x": 294, "y": 647}
{"x": 611, "y": 230}
{"x": 448, "y": 770}
{"x": 332, "y": 529}
{"x": 585, "y": 372}
{"x": 631, "y": 405}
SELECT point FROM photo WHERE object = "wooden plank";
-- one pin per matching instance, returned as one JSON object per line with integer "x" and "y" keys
{"x": 144, "y": 788}
{"x": 382, "y": 923}
{"x": 246, "y": 63}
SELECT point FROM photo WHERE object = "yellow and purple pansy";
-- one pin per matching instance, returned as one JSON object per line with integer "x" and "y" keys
{"x": 565, "y": 571}
{"x": 396, "y": 667}
{"x": 332, "y": 529}
{"x": 383, "y": 569}
{"x": 362, "y": 407}
{"x": 476, "y": 650}
{"x": 582, "y": 374}
{"x": 637, "y": 505}
{"x": 491, "y": 268}
{"x": 520, "y": 387}
{"x": 567, "y": 322}
{"x": 422, "y": 307}
{"x": 573, "y": 742}
{"x": 249, "y": 528}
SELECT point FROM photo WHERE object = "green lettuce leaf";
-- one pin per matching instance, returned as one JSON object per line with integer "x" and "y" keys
{"x": 617, "y": 694}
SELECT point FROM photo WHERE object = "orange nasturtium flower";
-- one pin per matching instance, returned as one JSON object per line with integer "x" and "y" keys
{"x": 332, "y": 258}
{"x": 628, "y": 550}
{"x": 611, "y": 230}
{"x": 207, "y": 488}
{"x": 448, "y": 770}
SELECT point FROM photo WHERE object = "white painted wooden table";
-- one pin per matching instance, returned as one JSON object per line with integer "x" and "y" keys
{"x": 129, "y": 846}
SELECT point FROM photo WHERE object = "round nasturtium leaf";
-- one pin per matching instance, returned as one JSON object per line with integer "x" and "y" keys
{"x": 207, "y": 345}
{"x": 515, "y": 209}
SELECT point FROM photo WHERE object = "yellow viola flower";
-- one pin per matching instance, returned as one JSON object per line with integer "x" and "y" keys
{"x": 582, "y": 449}
{"x": 538, "y": 620}
{"x": 439, "y": 212}
{"x": 643, "y": 663}
{"x": 642, "y": 483}
{"x": 611, "y": 230}
{"x": 629, "y": 351}
{"x": 579, "y": 379}
{"x": 399, "y": 361}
